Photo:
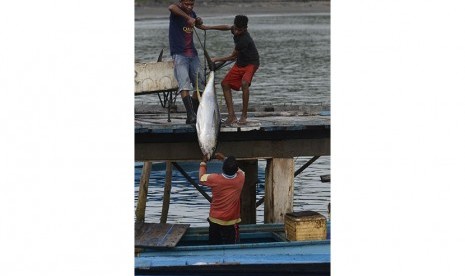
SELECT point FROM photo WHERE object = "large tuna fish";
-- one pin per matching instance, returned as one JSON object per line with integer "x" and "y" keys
{"x": 208, "y": 118}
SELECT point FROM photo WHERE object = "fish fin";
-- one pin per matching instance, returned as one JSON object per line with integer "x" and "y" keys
{"x": 160, "y": 56}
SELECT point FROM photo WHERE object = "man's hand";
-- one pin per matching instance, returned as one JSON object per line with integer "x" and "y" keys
{"x": 191, "y": 21}
{"x": 205, "y": 158}
{"x": 198, "y": 21}
{"x": 219, "y": 156}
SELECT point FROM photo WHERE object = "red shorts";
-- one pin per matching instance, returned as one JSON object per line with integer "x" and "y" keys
{"x": 237, "y": 74}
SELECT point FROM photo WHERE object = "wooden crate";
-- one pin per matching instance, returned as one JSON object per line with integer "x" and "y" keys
{"x": 305, "y": 225}
{"x": 154, "y": 77}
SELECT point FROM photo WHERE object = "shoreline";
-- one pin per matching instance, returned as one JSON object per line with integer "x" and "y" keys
{"x": 205, "y": 9}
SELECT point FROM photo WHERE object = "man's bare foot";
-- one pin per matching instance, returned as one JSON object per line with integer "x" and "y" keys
{"x": 230, "y": 121}
{"x": 242, "y": 121}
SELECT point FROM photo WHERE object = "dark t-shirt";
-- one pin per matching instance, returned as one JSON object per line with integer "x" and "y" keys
{"x": 181, "y": 36}
{"x": 247, "y": 52}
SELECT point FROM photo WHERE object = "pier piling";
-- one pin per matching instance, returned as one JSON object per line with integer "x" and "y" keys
{"x": 248, "y": 195}
{"x": 143, "y": 189}
{"x": 279, "y": 189}
{"x": 166, "y": 193}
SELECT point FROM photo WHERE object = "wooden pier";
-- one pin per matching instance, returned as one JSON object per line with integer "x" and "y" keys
{"x": 277, "y": 137}
{"x": 275, "y": 134}
{"x": 269, "y": 136}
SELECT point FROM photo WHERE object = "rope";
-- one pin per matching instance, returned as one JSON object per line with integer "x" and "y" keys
{"x": 204, "y": 58}
{"x": 198, "y": 37}
{"x": 197, "y": 87}
{"x": 211, "y": 65}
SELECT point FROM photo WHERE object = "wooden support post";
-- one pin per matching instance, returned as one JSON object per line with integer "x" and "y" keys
{"x": 279, "y": 189}
{"x": 143, "y": 189}
{"x": 248, "y": 195}
{"x": 166, "y": 193}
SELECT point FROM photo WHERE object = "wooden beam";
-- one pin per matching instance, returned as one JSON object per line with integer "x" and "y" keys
{"x": 301, "y": 169}
{"x": 192, "y": 181}
{"x": 143, "y": 189}
{"x": 241, "y": 149}
{"x": 279, "y": 189}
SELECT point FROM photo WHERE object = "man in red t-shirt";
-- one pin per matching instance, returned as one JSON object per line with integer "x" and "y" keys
{"x": 225, "y": 208}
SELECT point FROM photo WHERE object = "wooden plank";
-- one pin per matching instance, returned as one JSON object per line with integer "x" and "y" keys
{"x": 154, "y": 77}
{"x": 158, "y": 234}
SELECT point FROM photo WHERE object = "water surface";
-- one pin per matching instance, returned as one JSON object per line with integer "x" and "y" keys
{"x": 294, "y": 55}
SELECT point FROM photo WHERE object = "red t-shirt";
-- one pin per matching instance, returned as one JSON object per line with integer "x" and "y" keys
{"x": 225, "y": 208}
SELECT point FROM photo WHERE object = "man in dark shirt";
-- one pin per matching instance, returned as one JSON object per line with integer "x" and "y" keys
{"x": 183, "y": 20}
{"x": 240, "y": 76}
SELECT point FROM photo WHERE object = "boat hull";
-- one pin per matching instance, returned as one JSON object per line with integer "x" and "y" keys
{"x": 313, "y": 269}
{"x": 276, "y": 255}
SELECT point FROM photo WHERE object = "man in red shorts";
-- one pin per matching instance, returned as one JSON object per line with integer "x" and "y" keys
{"x": 240, "y": 76}
{"x": 225, "y": 208}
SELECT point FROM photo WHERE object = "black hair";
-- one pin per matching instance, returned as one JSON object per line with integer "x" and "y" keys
{"x": 230, "y": 166}
{"x": 240, "y": 21}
